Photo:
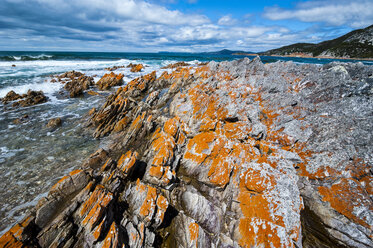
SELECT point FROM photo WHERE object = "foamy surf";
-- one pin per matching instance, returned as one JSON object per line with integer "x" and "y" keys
{"x": 47, "y": 87}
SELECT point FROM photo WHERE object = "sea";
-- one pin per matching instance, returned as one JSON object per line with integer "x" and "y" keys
{"x": 33, "y": 157}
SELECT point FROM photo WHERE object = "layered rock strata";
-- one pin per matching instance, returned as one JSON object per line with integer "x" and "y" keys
{"x": 109, "y": 80}
{"x": 231, "y": 154}
{"x": 24, "y": 100}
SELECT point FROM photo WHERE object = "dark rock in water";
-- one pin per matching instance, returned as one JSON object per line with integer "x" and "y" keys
{"x": 231, "y": 154}
{"x": 71, "y": 75}
{"x": 77, "y": 86}
{"x": 54, "y": 123}
{"x": 75, "y": 82}
{"x": 175, "y": 65}
{"x": 13, "y": 65}
{"x": 21, "y": 120}
{"x": 31, "y": 98}
{"x": 115, "y": 68}
{"x": 10, "y": 96}
{"x": 135, "y": 67}
{"x": 109, "y": 80}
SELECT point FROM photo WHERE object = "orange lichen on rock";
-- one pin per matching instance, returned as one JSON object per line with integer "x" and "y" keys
{"x": 260, "y": 233}
{"x": 162, "y": 205}
{"x": 198, "y": 147}
{"x": 137, "y": 68}
{"x": 141, "y": 83}
{"x": 236, "y": 130}
{"x": 255, "y": 181}
{"x": 346, "y": 196}
{"x": 137, "y": 123}
{"x": 99, "y": 198}
{"x": 109, "y": 80}
{"x": 171, "y": 126}
{"x": 208, "y": 124}
{"x": 12, "y": 238}
{"x": 112, "y": 238}
{"x": 194, "y": 231}
{"x": 127, "y": 161}
{"x": 163, "y": 146}
{"x": 121, "y": 124}
{"x": 148, "y": 206}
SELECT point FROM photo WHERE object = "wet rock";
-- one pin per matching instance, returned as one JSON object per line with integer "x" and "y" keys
{"x": 13, "y": 65}
{"x": 109, "y": 80}
{"x": 75, "y": 82}
{"x": 220, "y": 156}
{"x": 54, "y": 123}
{"x": 135, "y": 67}
{"x": 29, "y": 99}
{"x": 71, "y": 75}
{"x": 10, "y": 96}
{"x": 96, "y": 159}
{"x": 115, "y": 68}
{"x": 175, "y": 65}
{"x": 77, "y": 86}
{"x": 92, "y": 93}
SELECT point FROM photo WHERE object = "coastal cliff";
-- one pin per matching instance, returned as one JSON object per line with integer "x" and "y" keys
{"x": 229, "y": 154}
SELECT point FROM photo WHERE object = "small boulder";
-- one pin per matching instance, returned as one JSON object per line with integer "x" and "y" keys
{"x": 13, "y": 65}
{"x": 31, "y": 98}
{"x": 77, "y": 85}
{"x": 109, "y": 80}
{"x": 21, "y": 120}
{"x": 175, "y": 65}
{"x": 135, "y": 67}
{"x": 54, "y": 123}
{"x": 11, "y": 96}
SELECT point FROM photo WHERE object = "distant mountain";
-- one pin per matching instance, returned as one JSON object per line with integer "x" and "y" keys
{"x": 227, "y": 52}
{"x": 356, "y": 44}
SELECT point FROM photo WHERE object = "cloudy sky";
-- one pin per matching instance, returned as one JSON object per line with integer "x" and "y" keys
{"x": 175, "y": 25}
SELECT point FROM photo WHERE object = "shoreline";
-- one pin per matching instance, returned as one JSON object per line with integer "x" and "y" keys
{"x": 318, "y": 57}
{"x": 196, "y": 149}
{"x": 302, "y": 56}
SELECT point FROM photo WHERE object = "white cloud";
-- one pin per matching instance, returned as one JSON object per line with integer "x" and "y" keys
{"x": 127, "y": 9}
{"x": 128, "y": 25}
{"x": 356, "y": 14}
{"x": 227, "y": 20}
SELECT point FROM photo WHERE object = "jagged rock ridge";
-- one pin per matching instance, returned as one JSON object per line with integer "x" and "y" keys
{"x": 232, "y": 154}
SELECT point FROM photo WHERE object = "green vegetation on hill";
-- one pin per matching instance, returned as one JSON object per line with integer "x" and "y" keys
{"x": 356, "y": 44}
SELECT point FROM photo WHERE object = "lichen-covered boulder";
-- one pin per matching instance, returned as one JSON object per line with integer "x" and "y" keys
{"x": 109, "y": 80}
{"x": 229, "y": 154}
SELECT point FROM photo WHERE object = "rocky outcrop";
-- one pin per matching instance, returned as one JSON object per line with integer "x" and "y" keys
{"x": 232, "y": 154}
{"x": 75, "y": 82}
{"x": 175, "y": 65}
{"x": 29, "y": 99}
{"x": 10, "y": 96}
{"x": 116, "y": 67}
{"x": 135, "y": 67}
{"x": 109, "y": 80}
{"x": 54, "y": 123}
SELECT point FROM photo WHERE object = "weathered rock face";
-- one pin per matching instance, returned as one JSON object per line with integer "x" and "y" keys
{"x": 10, "y": 96}
{"x": 75, "y": 82}
{"x": 175, "y": 65}
{"x": 29, "y": 99}
{"x": 232, "y": 154}
{"x": 54, "y": 123}
{"x": 135, "y": 67}
{"x": 109, "y": 80}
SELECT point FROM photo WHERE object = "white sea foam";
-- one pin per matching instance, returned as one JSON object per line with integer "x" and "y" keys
{"x": 47, "y": 87}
